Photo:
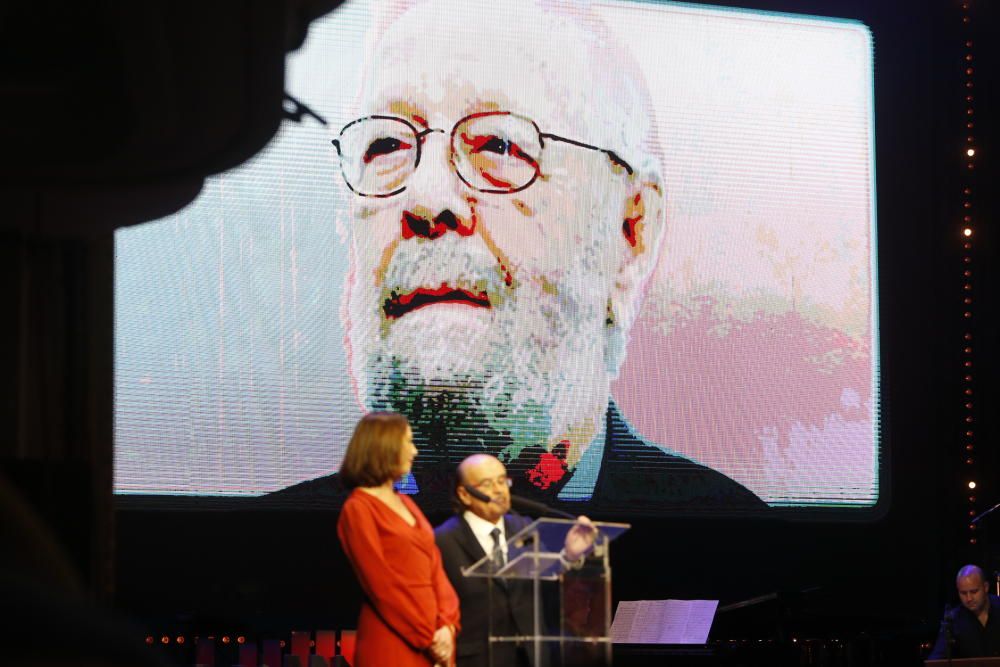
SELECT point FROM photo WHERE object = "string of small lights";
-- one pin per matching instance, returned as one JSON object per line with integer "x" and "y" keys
{"x": 968, "y": 157}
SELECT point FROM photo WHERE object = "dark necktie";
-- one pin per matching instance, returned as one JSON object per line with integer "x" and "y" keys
{"x": 497, "y": 554}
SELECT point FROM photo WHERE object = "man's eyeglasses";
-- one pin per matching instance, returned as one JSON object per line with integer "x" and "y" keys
{"x": 494, "y": 152}
{"x": 488, "y": 485}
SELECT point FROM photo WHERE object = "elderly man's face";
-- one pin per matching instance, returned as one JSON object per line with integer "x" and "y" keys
{"x": 504, "y": 303}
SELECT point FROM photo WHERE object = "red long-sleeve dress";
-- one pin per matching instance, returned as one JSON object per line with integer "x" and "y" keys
{"x": 407, "y": 594}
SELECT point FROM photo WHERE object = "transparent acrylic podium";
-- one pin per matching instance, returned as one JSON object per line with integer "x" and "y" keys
{"x": 565, "y": 606}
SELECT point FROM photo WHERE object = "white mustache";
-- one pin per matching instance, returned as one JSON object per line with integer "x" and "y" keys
{"x": 451, "y": 261}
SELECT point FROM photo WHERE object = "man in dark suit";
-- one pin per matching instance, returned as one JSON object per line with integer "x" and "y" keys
{"x": 483, "y": 528}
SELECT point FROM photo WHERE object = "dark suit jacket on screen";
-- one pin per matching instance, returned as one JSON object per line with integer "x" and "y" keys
{"x": 635, "y": 477}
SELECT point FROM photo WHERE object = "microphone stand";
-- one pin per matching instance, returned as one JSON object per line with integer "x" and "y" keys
{"x": 947, "y": 622}
{"x": 539, "y": 508}
{"x": 519, "y": 501}
{"x": 985, "y": 514}
{"x": 996, "y": 574}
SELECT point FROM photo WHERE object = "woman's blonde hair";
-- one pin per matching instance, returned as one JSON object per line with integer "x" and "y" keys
{"x": 375, "y": 449}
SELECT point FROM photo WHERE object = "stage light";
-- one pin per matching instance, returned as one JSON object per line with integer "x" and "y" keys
{"x": 972, "y": 485}
{"x": 970, "y": 152}
{"x": 180, "y": 639}
{"x": 225, "y": 639}
{"x": 164, "y": 639}
{"x": 150, "y": 639}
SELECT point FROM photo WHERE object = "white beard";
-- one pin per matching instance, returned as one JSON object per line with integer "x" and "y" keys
{"x": 532, "y": 368}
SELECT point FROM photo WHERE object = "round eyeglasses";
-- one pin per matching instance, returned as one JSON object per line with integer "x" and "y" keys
{"x": 493, "y": 152}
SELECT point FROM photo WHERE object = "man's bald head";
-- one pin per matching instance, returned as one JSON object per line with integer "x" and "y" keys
{"x": 476, "y": 462}
{"x": 531, "y": 48}
{"x": 487, "y": 475}
{"x": 973, "y": 592}
{"x": 970, "y": 572}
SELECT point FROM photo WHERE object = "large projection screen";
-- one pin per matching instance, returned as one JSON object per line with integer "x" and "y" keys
{"x": 628, "y": 247}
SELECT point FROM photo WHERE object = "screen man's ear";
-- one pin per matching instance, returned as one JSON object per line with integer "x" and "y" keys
{"x": 643, "y": 227}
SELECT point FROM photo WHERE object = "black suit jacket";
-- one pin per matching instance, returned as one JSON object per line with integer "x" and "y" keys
{"x": 512, "y": 602}
{"x": 636, "y": 477}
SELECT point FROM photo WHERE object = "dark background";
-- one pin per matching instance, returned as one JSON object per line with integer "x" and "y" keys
{"x": 89, "y": 146}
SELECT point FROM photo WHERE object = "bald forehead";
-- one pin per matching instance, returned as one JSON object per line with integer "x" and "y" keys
{"x": 480, "y": 466}
{"x": 970, "y": 575}
{"x": 547, "y": 64}
{"x": 970, "y": 582}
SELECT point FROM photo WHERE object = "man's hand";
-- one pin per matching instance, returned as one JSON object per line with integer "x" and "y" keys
{"x": 579, "y": 539}
{"x": 442, "y": 645}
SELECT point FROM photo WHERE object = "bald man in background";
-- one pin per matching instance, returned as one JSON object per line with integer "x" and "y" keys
{"x": 974, "y": 625}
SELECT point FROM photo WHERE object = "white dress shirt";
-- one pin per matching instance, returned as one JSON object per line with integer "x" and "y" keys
{"x": 482, "y": 528}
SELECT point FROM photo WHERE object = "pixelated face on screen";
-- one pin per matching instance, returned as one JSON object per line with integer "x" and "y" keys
{"x": 626, "y": 247}
{"x": 504, "y": 220}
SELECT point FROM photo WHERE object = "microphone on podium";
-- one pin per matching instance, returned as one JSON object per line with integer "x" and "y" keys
{"x": 519, "y": 503}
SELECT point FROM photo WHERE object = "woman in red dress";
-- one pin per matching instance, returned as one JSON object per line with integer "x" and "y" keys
{"x": 410, "y": 612}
